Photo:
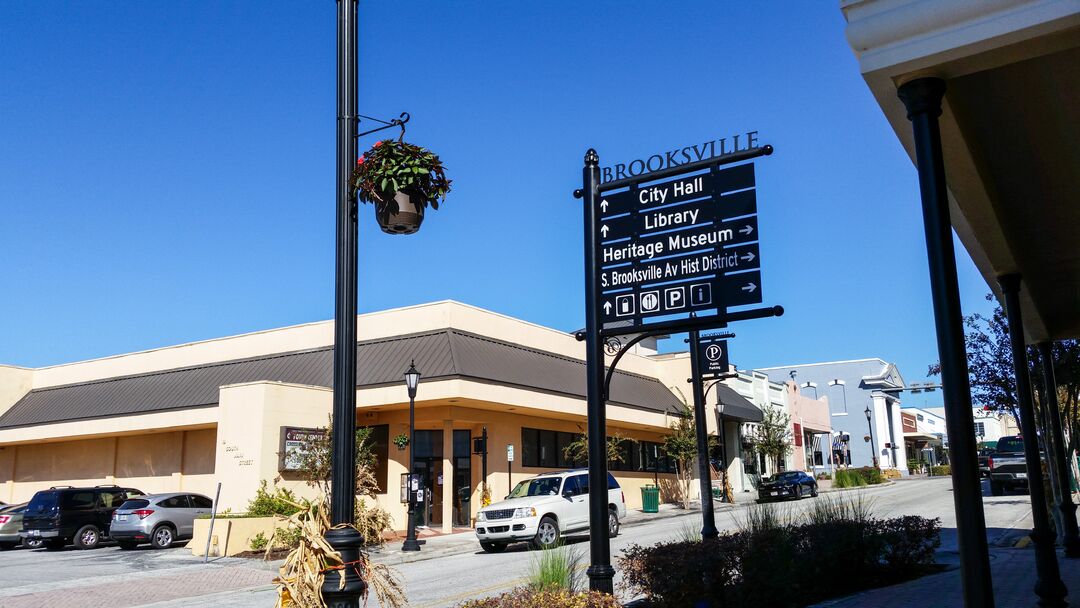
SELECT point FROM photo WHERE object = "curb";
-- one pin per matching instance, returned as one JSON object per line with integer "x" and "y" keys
{"x": 867, "y": 487}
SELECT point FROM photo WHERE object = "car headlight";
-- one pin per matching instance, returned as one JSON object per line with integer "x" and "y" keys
{"x": 481, "y": 516}
{"x": 524, "y": 512}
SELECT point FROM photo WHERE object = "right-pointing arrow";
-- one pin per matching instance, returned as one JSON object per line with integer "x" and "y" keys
{"x": 747, "y": 230}
{"x": 749, "y": 257}
{"x": 749, "y": 287}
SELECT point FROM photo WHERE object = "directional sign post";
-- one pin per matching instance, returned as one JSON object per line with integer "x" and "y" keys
{"x": 670, "y": 243}
{"x": 679, "y": 246}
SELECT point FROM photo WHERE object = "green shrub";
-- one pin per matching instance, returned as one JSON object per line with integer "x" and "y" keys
{"x": 872, "y": 475}
{"x": 848, "y": 478}
{"x": 913, "y": 465}
{"x": 266, "y": 504}
{"x": 742, "y": 568}
{"x": 258, "y": 542}
{"x": 554, "y": 569}
{"x": 941, "y": 469}
{"x": 530, "y": 598}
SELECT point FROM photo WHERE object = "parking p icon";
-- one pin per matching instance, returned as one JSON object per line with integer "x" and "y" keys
{"x": 674, "y": 298}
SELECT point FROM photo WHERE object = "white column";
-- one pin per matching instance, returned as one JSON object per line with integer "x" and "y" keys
{"x": 448, "y": 476}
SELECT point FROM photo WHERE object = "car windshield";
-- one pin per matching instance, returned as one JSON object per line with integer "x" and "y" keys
{"x": 1010, "y": 444}
{"x": 787, "y": 476}
{"x": 541, "y": 486}
{"x": 43, "y": 501}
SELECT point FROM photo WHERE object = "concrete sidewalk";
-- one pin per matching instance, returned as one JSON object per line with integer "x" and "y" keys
{"x": 1013, "y": 571}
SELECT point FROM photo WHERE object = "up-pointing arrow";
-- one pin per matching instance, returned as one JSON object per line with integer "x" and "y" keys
{"x": 749, "y": 287}
{"x": 607, "y": 308}
{"x": 747, "y": 230}
{"x": 749, "y": 257}
{"x": 603, "y": 205}
{"x": 604, "y": 230}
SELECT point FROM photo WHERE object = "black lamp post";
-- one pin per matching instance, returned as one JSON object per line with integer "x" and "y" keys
{"x": 412, "y": 380}
{"x": 873, "y": 450}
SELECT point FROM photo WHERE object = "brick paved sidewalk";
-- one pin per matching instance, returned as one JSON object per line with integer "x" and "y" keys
{"x": 1013, "y": 571}
{"x": 146, "y": 589}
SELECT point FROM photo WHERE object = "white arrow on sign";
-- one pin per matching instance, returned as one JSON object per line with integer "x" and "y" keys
{"x": 607, "y": 308}
{"x": 747, "y": 230}
{"x": 749, "y": 257}
{"x": 603, "y": 230}
{"x": 749, "y": 287}
{"x": 603, "y": 205}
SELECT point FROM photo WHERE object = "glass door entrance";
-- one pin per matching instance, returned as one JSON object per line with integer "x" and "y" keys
{"x": 428, "y": 463}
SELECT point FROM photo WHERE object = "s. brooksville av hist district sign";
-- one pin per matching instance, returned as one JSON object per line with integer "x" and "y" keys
{"x": 679, "y": 246}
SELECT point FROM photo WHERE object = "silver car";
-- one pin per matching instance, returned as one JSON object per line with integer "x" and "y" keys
{"x": 158, "y": 519}
{"x": 11, "y": 517}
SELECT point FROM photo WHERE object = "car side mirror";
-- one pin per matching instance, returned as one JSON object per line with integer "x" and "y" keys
{"x": 568, "y": 494}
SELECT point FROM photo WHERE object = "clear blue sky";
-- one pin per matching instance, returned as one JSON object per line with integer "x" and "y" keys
{"x": 166, "y": 169}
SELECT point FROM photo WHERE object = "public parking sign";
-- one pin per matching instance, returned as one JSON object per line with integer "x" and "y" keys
{"x": 712, "y": 356}
{"x": 679, "y": 246}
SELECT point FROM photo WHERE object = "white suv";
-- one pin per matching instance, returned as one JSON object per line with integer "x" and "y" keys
{"x": 542, "y": 509}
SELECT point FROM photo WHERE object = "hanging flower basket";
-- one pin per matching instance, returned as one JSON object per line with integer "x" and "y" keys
{"x": 401, "y": 180}
{"x": 401, "y": 440}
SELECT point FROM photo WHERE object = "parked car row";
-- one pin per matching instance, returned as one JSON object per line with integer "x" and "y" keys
{"x": 84, "y": 517}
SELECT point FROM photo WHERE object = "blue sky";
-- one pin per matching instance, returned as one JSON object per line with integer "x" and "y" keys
{"x": 166, "y": 169}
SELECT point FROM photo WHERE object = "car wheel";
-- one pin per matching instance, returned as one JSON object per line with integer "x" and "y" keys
{"x": 612, "y": 523}
{"x": 997, "y": 488}
{"x": 31, "y": 543}
{"x": 87, "y": 537}
{"x": 798, "y": 492}
{"x": 547, "y": 534}
{"x": 493, "y": 547}
{"x": 162, "y": 537}
{"x": 126, "y": 546}
{"x": 813, "y": 491}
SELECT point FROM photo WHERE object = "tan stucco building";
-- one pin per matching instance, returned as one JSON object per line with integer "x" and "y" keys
{"x": 190, "y": 416}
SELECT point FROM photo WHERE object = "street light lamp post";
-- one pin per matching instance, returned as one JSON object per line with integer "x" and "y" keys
{"x": 873, "y": 450}
{"x": 412, "y": 380}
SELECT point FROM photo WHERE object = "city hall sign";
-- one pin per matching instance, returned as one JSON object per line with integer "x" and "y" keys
{"x": 681, "y": 156}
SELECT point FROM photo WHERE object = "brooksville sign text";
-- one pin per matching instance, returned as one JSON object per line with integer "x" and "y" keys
{"x": 681, "y": 156}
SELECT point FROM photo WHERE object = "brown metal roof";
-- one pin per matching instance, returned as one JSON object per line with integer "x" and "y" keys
{"x": 441, "y": 354}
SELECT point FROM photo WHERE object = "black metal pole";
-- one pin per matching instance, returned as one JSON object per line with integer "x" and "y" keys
{"x": 708, "y": 517}
{"x": 1068, "y": 508}
{"x": 411, "y": 543}
{"x": 1048, "y": 585}
{"x": 600, "y": 572}
{"x": 483, "y": 461}
{"x": 873, "y": 449}
{"x": 922, "y": 98}
{"x": 346, "y": 541}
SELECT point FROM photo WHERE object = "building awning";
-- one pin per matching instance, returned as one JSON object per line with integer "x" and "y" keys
{"x": 734, "y": 406}
{"x": 921, "y": 437}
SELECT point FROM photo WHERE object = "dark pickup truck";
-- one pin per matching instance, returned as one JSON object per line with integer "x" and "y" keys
{"x": 1008, "y": 469}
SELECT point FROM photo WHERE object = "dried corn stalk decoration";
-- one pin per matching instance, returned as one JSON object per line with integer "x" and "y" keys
{"x": 305, "y": 569}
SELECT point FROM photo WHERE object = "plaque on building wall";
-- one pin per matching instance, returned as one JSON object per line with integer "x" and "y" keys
{"x": 291, "y": 446}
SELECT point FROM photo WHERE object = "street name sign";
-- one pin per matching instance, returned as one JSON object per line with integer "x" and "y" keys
{"x": 712, "y": 356}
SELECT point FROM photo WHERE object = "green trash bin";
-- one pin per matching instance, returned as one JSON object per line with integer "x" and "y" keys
{"x": 650, "y": 499}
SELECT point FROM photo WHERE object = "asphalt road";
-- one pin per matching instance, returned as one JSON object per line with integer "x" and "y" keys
{"x": 115, "y": 578}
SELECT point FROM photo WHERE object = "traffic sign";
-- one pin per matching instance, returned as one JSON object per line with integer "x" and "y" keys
{"x": 705, "y": 293}
{"x": 702, "y": 263}
{"x": 712, "y": 356}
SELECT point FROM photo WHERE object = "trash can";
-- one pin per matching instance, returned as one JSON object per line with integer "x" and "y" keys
{"x": 650, "y": 499}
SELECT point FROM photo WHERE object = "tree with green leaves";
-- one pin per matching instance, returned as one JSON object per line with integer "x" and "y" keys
{"x": 578, "y": 449}
{"x": 772, "y": 436}
{"x": 681, "y": 446}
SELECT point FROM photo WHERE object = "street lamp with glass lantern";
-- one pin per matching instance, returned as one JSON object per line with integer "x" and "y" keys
{"x": 873, "y": 450}
{"x": 412, "y": 380}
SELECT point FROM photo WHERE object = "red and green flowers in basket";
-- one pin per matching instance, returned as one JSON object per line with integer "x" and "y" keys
{"x": 393, "y": 166}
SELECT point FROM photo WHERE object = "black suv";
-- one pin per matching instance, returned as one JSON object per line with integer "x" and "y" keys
{"x": 62, "y": 515}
